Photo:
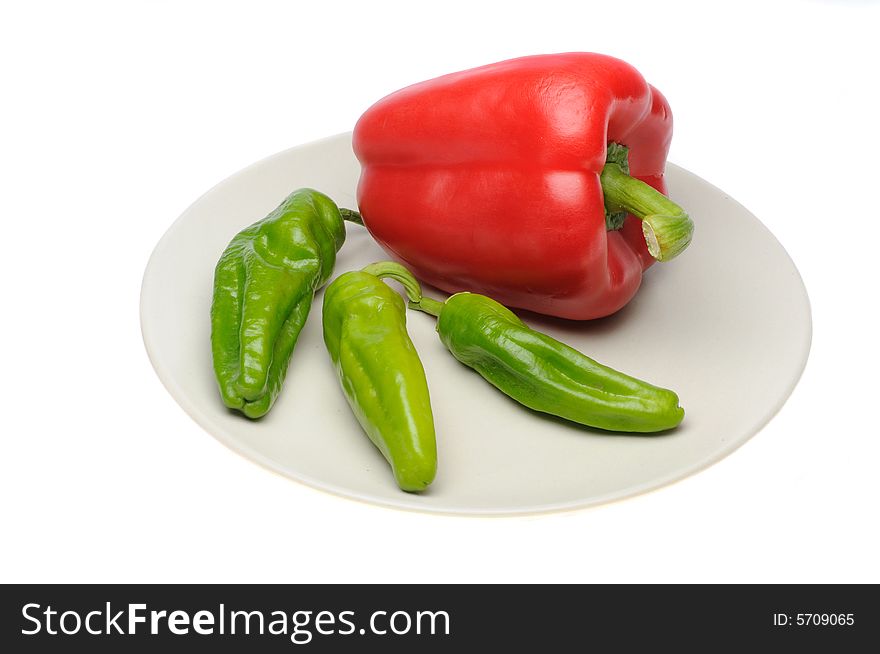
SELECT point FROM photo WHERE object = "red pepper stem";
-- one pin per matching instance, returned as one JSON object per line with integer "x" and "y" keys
{"x": 667, "y": 228}
{"x": 351, "y": 216}
{"x": 392, "y": 270}
{"x": 428, "y": 305}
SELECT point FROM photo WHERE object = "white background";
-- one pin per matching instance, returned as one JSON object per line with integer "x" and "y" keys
{"x": 115, "y": 116}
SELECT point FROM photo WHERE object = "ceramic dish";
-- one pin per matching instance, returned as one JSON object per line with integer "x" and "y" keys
{"x": 730, "y": 336}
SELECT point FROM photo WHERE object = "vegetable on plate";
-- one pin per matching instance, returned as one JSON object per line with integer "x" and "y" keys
{"x": 264, "y": 283}
{"x": 379, "y": 369}
{"x": 544, "y": 374}
{"x": 537, "y": 181}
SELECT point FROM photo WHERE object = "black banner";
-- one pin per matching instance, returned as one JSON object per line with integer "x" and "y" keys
{"x": 433, "y": 618}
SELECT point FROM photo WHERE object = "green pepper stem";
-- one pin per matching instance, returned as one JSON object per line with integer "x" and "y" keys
{"x": 427, "y": 305}
{"x": 393, "y": 270}
{"x": 351, "y": 216}
{"x": 667, "y": 228}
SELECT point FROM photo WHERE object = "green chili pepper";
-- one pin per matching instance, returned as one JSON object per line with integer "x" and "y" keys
{"x": 544, "y": 374}
{"x": 264, "y": 283}
{"x": 380, "y": 371}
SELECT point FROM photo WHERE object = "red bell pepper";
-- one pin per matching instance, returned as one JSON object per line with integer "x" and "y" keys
{"x": 500, "y": 179}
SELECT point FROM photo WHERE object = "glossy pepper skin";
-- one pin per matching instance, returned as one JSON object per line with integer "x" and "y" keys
{"x": 489, "y": 180}
{"x": 381, "y": 374}
{"x": 545, "y": 374}
{"x": 264, "y": 283}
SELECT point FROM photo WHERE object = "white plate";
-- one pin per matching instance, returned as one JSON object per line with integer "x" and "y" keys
{"x": 726, "y": 325}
